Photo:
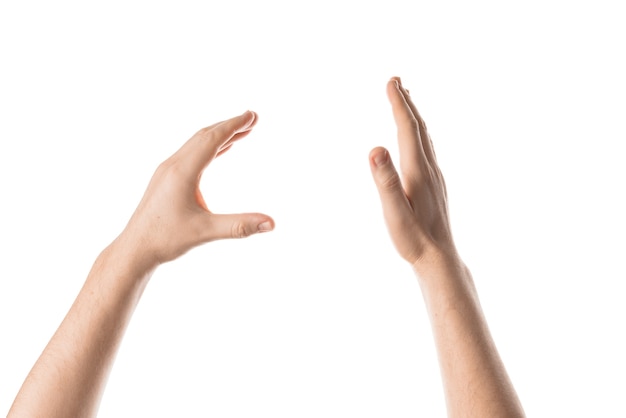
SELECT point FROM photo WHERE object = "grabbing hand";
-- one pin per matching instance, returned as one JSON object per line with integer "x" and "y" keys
{"x": 414, "y": 204}
{"x": 172, "y": 216}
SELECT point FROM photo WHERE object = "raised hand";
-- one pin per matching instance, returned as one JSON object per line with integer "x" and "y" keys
{"x": 415, "y": 202}
{"x": 172, "y": 216}
{"x": 415, "y": 208}
{"x": 69, "y": 377}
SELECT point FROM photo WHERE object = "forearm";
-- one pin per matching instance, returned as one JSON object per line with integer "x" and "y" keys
{"x": 69, "y": 377}
{"x": 475, "y": 381}
{"x": 416, "y": 211}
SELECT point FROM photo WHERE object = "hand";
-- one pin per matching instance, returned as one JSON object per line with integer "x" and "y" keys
{"x": 172, "y": 216}
{"x": 415, "y": 204}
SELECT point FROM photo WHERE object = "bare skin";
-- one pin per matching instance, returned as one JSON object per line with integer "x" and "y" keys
{"x": 416, "y": 212}
{"x": 69, "y": 377}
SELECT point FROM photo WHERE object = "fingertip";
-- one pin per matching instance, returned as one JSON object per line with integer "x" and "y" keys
{"x": 396, "y": 79}
{"x": 379, "y": 156}
{"x": 384, "y": 173}
{"x": 255, "y": 116}
{"x": 394, "y": 90}
{"x": 266, "y": 226}
{"x": 250, "y": 120}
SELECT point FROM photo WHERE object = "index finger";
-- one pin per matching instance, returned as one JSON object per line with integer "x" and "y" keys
{"x": 412, "y": 154}
{"x": 427, "y": 143}
{"x": 205, "y": 145}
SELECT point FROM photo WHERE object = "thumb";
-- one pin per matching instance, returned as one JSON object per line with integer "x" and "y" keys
{"x": 237, "y": 225}
{"x": 392, "y": 195}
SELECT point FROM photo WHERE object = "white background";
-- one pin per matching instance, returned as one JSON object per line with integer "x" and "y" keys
{"x": 525, "y": 105}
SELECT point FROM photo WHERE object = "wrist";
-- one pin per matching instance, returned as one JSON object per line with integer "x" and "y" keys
{"x": 434, "y": 257}
{"x": 437, "y": 263}
{"x": 446, "y": 283}
{"x": 128, "y": 258}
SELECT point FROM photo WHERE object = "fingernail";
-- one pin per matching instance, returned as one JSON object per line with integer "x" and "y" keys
{"x": 251, "y": 118}
{"x": 381, "y": 158}
{"x": 265, "y": 226}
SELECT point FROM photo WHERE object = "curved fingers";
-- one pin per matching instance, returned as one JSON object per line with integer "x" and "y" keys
{"x": 226, "y": 146}
{"x": 209, "y": 142}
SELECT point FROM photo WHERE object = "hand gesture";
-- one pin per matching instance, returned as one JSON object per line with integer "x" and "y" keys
{"x": 172, "y": 216}
{"x": 415, "y": 202}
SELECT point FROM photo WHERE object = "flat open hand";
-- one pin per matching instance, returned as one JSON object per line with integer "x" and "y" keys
{"x": 172, "y": 216}
{"x": 415, "y": 203}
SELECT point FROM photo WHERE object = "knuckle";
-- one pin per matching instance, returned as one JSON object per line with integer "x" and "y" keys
{"x": 207, "y": 134}
{"x": 203, "y": 136}
{"x": 170, "y": 167}
{"x": 209, "y": 139}
{"x": 417, "y": 177}
{"x": 170, "y": 173}
{"x": 390, "y": 181}
{"x": 164, "y": 166}
{"x": 239, "y": 230}
{"x": 412, "y": 122}
{"x": 207, "y": 131}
